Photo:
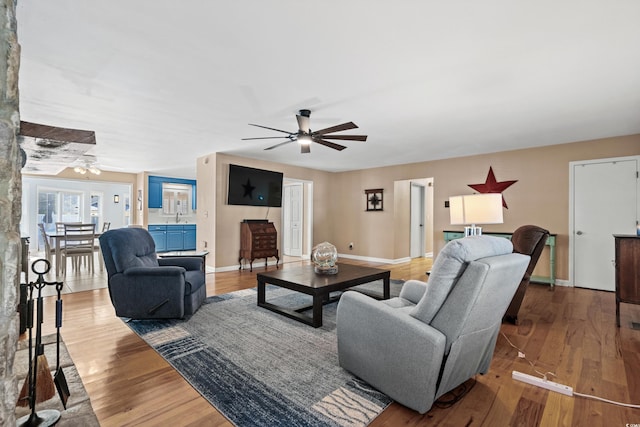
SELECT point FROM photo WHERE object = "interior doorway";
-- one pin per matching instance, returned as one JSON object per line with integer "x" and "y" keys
{"x": 413, "y": 218}
{"x": 292, "y": 215}
{"x": 417, "y": 220}
{"x": 297, "y": 219}
{"x": 604, "y": 201}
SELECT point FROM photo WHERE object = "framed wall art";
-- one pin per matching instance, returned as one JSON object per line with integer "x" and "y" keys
{"x": 374, "y": 199}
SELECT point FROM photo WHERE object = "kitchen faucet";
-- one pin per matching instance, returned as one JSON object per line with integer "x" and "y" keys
{"x": 177, "y": 217}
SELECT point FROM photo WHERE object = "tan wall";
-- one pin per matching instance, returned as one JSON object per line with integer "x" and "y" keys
{"x": 68, "y": 173}
{"x": 228, "y": 217}
{"x": 206, "y": 206}
{"x": 140, "y": 205}
{"x": 401, "y": 238}
{"x": 541, "y": 196}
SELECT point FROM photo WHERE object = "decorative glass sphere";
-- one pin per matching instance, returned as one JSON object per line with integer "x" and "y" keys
{"x": 324, "y": 256}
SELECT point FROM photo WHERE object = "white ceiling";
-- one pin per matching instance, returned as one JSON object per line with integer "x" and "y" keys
{"x": 162, "y": 82}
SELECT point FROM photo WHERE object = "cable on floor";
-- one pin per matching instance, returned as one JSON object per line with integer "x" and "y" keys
{"x": 456, "y": 395}
{"x": 521, "y": 355}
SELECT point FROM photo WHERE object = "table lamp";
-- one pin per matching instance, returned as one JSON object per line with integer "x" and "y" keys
{"x": 473, "y": 209}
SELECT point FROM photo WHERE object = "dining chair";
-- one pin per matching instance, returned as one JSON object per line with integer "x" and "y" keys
{"x": 78, "y": 245}
{"x": 96, "y": 245}
{"x": 60, "y": 226}
{"x": 48, "y": 251}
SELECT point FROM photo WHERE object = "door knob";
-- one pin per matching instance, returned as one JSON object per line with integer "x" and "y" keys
{"x": 579, "y": 233}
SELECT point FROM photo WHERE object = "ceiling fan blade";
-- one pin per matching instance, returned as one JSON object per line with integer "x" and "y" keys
{"x": 277, "y": 130}
{"x": 329, "y": 144}
{"x": 303, "y": 123}
{"x": 337, "y": 128}
{"x": 305, "y": 148}
{"x": 278, "y": 145}
{"x": 347, "y": 137}
{"x": 264, "y": 137}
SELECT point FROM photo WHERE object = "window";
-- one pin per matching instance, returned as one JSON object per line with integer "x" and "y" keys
{"x": 57, "y": 206}
{"x": 96, "y": 209}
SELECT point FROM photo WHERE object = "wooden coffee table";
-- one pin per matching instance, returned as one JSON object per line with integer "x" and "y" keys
{"x": 319, "y": 286}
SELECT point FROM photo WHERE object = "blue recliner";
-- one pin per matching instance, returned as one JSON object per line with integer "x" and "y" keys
{"x": 141, "y": 286}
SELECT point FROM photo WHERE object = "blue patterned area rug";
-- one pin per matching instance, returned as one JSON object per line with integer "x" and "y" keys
{"x": 259, "y": 368}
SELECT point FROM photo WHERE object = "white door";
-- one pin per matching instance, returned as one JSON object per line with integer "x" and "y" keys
{"x": 417, "y": 220}
{"x": 604, "y": 203}
{"x": 292, "y": 220}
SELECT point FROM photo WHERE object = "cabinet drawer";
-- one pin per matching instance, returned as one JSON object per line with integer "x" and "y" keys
{"x": 263, "y": 236}
{"x": 265, "y": 253}
{"x": 157, "y": 228}
{"x": 263, "y": 247}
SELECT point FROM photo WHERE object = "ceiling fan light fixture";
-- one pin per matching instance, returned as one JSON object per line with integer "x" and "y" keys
{"x": 87, "y": 167}
{"x": 305, "y": 136}
{"x": 304, "y": 139}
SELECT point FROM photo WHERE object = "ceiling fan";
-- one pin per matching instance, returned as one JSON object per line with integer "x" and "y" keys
{"x": 305, "y": 136}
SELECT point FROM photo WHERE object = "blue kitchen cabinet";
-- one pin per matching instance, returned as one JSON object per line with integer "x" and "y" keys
{"x": 159, "y": 235}
{"x": 190, "y": 237}
{"x": 174, "y": 237}
{"x": 155, "y": 190}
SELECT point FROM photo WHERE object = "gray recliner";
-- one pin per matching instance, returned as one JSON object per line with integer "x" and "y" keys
{"x": 141, "y": 286}
{"x": 435, "y": 335}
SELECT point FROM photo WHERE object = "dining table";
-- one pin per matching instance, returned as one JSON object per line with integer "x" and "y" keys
{"x": 54, "y": 240}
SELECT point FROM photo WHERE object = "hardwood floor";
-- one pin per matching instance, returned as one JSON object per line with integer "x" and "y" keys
{"x": 568, "y": 331}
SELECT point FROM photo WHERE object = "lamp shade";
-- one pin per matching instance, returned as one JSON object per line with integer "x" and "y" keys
{"x": 483, "y": 208}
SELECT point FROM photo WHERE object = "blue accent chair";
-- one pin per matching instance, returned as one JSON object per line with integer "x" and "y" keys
{"x": 141, "y": 286}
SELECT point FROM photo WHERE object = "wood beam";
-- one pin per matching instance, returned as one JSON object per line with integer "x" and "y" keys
{"x": 54, "y": 133}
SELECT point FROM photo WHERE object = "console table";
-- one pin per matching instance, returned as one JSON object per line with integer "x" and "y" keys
{"x": 551, "y": 242}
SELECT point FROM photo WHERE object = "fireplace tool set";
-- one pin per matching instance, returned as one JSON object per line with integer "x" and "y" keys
{"x": 39, "y": 385}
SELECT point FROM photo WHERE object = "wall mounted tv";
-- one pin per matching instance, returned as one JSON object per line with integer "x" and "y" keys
{"x": 254, "y": 187}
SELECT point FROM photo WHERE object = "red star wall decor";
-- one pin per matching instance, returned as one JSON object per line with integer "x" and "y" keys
{"x": 493, "y": 186}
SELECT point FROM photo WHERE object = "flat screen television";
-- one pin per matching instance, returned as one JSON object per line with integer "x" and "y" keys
{"x": 254, "y": 187}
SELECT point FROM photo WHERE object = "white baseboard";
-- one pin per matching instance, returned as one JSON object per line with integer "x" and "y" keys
{"x": 227, "y": 268}
{"x": 238, "y": 267}
{"x": 372, "y": 259}
{"x": 306, "y": 257}
{"x": 564, "y": 283}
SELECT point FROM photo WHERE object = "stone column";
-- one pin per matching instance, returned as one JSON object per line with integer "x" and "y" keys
{"x": 10, "y": 208}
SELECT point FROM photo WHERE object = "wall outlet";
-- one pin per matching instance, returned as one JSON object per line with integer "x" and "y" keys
{"x": 351, "y": 246}
{"x": 541, "y": 382}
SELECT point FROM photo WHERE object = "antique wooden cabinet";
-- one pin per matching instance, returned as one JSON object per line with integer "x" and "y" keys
{"x": 627, "y": 271}
{"x": 258, "y": 239}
